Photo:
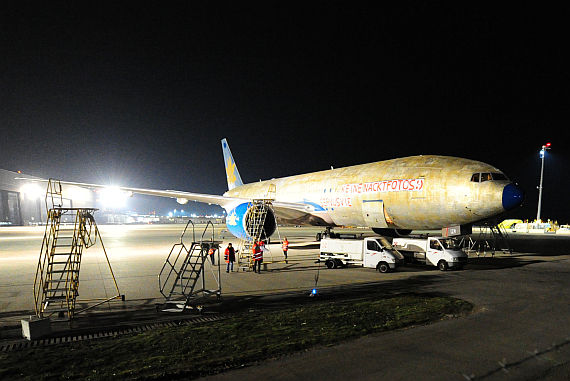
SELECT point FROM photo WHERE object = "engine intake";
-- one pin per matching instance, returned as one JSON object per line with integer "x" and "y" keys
{"x": 243, "y": 221}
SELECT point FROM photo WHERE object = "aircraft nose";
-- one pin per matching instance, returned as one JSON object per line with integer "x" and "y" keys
{"x": 513, "y": 197}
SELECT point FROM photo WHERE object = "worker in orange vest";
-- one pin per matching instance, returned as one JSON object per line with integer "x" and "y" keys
{"x": 285, "y": 247}
{"x": 230, "y": 257}
{"x": 258, "y": 249}
{"x": 211, "y": 253}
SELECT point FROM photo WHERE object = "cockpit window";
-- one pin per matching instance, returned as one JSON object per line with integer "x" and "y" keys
{"x": 499, "y": 176}
{"x": 486, "y": 176}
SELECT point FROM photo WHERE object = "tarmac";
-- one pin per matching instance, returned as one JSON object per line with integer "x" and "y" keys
{"x": 519, "y": 331}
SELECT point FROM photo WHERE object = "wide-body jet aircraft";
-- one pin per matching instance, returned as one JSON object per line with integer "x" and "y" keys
{"x": 391, "y": 197}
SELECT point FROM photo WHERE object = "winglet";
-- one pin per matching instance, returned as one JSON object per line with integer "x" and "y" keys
{"x": 232, "y": 173}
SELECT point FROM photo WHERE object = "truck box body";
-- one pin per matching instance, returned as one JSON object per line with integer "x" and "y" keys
{"x": 373, "y": 252}
{"x": 437, "y": 251}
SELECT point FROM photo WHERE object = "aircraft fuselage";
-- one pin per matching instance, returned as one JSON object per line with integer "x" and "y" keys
{"x": 418, "y": 192}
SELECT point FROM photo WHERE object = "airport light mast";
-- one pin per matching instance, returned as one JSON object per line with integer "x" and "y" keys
{"x": 542, "y": 154}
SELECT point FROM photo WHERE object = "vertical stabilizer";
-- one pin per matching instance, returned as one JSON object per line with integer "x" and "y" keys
{"x": 232, "y": 173}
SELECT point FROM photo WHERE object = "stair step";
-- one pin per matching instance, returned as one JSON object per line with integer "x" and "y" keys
{"x": 51, "y": 298}
{"x": 175, "y": 309}
{"x": 47, "y": 309}
{"x": 62, "y": 271}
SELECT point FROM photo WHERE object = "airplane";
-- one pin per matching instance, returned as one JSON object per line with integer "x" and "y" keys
{"x": 392, "y": 197}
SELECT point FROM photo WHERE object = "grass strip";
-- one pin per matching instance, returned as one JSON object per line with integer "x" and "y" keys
{"x": 198, "y": 350}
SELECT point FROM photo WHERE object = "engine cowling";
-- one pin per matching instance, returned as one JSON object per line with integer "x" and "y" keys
{"x": 240, "y": 221}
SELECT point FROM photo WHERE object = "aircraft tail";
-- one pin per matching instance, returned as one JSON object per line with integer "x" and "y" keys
{"x": 232, "y": 173}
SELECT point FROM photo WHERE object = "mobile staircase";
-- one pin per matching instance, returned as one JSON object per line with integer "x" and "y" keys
{"x": 491, "y": 238}
{"x": 56, "y": 285}
{"x": 254, "y": 226}
{"x": 183, "y": 277}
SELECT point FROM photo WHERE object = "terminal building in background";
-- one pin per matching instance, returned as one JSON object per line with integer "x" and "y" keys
{"x": 23, "y": 202}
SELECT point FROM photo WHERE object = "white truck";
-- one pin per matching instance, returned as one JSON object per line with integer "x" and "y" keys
{"x": 373, "y": 252}
{"x": 437, "y": 251}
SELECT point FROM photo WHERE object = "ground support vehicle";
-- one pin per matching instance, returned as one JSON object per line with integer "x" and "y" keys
{"x": 373, "y": 252}
{"x": 437, "y": 251}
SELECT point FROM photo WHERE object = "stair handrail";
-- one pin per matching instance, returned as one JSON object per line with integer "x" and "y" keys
{"x": 172, "y": 265}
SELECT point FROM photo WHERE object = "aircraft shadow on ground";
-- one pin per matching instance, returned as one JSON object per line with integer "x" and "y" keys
{"x": 498, "y": 263}
{"x": 475, "y": 264}
{"x": 313, "y": 246}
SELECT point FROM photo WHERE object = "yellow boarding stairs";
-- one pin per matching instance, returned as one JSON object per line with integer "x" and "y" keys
{"x": 187, "y": 269}
{"x": 56, "y": 285}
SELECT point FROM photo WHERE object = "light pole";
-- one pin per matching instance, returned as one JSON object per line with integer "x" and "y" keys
{"x": 542, "y": 154}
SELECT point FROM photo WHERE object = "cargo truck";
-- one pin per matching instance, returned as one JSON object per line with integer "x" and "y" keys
{"x": 373, "y": 252}
{"x": 437, "y": 251}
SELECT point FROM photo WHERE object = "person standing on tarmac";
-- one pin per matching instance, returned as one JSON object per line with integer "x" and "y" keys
{"x": 258, "y": 249}
{"x": 257, "y": 256}
{"x": 211, "y": 253}
{"x": 230, "y": 257}
{"x": 285, "y": 247}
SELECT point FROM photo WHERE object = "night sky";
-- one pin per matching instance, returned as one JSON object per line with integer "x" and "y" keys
{"x": 141, "y": 93}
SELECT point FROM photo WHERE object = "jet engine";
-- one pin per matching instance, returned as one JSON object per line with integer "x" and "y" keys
{"x": 244, "y": 220}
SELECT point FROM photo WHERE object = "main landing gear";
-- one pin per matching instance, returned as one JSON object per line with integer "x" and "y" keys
{"x": 328, "y": 233}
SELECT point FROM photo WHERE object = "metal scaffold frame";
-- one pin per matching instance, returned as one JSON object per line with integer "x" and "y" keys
{"x": 491, "y": 238}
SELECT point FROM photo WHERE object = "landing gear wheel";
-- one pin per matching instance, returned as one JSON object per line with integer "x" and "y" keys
{"x": 442, "y": 265}
{"x": 383, "y": 267}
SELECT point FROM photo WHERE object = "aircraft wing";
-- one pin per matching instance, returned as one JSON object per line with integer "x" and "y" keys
{"x": 223, "y": 201}
{"x": 288, "y": 210}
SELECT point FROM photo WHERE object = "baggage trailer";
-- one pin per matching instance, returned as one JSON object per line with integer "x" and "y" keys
{"x": 372, "y": 252}
{"x": 442, "y": 252}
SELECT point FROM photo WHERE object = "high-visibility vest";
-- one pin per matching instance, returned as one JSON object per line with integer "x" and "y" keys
{"x": 285, "y": 245}
{"x": 211, "y": 251}
{"x": 228, "y": 253}
{"x": 257, "y": 252}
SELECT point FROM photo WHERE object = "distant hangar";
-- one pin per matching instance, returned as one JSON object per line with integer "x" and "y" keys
{"x": 22, "y": 202}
